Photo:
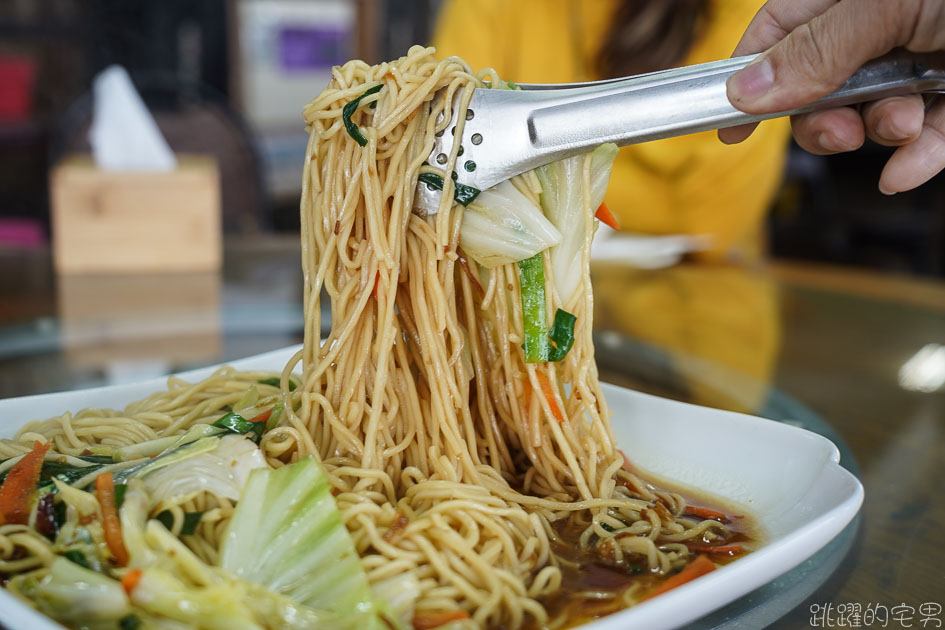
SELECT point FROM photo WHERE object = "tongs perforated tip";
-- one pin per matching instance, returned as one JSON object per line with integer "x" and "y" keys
{"x": 508, "y": 132}
{"x": 427, "y": 196}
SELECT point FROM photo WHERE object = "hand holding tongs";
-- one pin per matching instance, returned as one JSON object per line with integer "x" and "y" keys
{"x": 508, "y": 132}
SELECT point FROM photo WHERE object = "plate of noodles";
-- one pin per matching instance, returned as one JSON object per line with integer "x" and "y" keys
{"x": 444, "y": 456}
{"x": 784, "y": 481}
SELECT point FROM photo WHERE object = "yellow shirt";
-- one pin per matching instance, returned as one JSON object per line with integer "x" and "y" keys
{"x": 687, "y": 185}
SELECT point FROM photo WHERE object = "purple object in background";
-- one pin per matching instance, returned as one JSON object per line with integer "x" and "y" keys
{"x": 303, "y": 49}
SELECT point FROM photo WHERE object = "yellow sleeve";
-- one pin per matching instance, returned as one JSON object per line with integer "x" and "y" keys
{"x": 695, "y": 184}
{"x": 474, "y": 30}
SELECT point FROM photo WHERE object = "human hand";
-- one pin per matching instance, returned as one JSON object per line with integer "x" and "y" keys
{"x": 813, "y": 46}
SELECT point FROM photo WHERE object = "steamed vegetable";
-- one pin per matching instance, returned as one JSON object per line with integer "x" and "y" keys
{"x": 287, "y": 535}
{"x": 462, "y": 194}
{"x": 222, "y": 471}
{"x": 697, "y": 568}
{"x": 19, "y": 486}
{"x": 502, "y": 225}
{"x": 349, "y": 109}
{"x": 77, "y": 595}
{"x": 400, "y": 593}
{"x": 563, "y": 203}
{"x": 539, "y": 346}
{"x": 532, "y": 280}
{"x": 105, "y": 492}
{"x": 605, "y": 216}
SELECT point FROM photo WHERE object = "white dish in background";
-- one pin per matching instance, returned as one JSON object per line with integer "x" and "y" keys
{"x": 787, "y": 478}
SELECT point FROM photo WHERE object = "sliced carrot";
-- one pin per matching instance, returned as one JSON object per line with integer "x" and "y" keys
{"x": 706, "y": 513}
{"x": 18, "y": 488}
{"x": 130, "y": 580}
{"x": 697, "y": 568}
{"x": 604, "y": 215}
{"x": 427, "y": 620}
{"x": 726, "y": 550}
{"x": 105, "y": 491}
{"x": 263, "y": 417}
{"x": 549, "y": 393}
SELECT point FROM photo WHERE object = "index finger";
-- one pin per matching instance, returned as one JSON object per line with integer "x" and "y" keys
{"x": 775, "y": 20}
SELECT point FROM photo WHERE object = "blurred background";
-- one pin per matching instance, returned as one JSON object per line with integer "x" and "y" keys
{"x": 228, "y": 77}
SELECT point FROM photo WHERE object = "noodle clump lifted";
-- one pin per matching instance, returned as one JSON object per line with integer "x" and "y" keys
{"x": 452, "y": 454}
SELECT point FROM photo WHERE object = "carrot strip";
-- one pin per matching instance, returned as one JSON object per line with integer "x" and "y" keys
{"x": 727, "y": 550}
{"x": 263, "y": 417}
{"x": 706, "y": 513}
{"x": 697, "y": 568}
{"x": 130, "y": 580}
{"x": 549, "y": 393}
{"x": 20, "y": 485}
{"x": 377, "y": 281}
{"x": 428, "y": 620}
{"x": 604, "y": 215}
{"x": 105, "y": 491}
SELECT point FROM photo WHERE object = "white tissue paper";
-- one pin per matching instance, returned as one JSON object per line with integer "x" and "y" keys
{"x": 123, "y": 135}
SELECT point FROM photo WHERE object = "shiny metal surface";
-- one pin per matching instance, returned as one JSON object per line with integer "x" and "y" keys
{"x": 518, "y": 130}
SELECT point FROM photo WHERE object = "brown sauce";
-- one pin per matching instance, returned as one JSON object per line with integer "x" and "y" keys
{"x": 584, "y": 574}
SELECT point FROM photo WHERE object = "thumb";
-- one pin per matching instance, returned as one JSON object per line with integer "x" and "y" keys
{"x": 817, "y": 57}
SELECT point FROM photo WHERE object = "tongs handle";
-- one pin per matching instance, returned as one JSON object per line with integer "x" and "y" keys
{"x": 692, "y": 99}
{"x": 519, "y": 130}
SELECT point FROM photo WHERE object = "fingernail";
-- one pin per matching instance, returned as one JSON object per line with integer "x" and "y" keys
{"x": 829, "y": 142}
{"x": 753, "y": 81}
{"x": 886, "y": 191}
{"x": 892, "y": 130}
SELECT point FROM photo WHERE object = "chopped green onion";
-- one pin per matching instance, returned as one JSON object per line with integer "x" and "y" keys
{"x": 532, "y": 279}
{"x": 191, "y": 520}
{"x": 562, "y": 335}
{"x": 120, "y": 490}
{"x": 275, "y": 416}
{"x": 538, "y": 345}
{"x": 78, "y": 557}
{"x": 348, "y": 110}
{"x": 129, "y": 622}
{"x": 276, "y": 381}
{"x": 461, "y": 193}
{"x": 236, "y": 423}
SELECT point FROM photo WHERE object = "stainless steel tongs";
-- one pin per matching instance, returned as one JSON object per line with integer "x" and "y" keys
{"x": 508, "y": 132}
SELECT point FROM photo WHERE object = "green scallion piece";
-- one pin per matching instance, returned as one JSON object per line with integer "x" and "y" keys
{"x": 77, "y": 557}
{"x": 236, "y": 423}
{"x": 532, "y": 280}
{"x": 540, "y": 346}
{"x": 191, "y": 520}
{"x": 562, "y": 335}
{"x": 348, "y": 110}
{"x": 462, "y": 193}
{"x": 276, "y": 381}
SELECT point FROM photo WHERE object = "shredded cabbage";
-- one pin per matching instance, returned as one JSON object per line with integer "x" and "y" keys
{"x": 222, "y": 471}
{"x": 286, "y": 534}
{"x": 563, "y": 203}
{"x": 502, "y": 225}
{"x": 77, "y": 595}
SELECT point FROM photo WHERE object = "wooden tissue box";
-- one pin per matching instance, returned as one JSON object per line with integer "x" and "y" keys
{"x": 133, "y": 222}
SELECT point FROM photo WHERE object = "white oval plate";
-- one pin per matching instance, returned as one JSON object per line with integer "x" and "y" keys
{"x": 789, "y": 479}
